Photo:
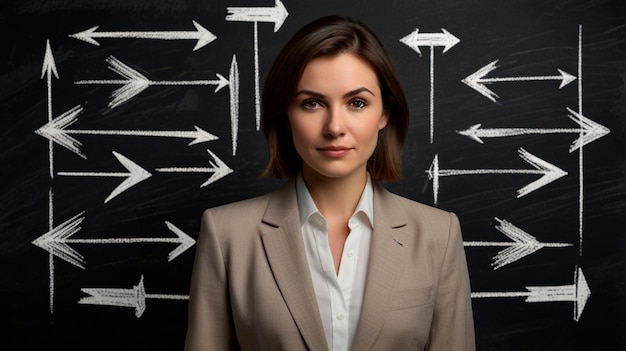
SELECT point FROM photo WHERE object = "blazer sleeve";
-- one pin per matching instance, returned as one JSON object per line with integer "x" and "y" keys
{"x": 453, "y": 323}
{"x": 210, "y": 325}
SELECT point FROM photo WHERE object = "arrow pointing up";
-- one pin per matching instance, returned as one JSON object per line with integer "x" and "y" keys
{"x": 589, "y": 131}
{"x": 56, "y": 130}
{"x": 523, "y": 244}
{"x": 135, "y": 82}
{"x": 135, "y": 175}
{"x": 218, "y": 168}
{"x": 417, "y": 39}
{"x": 57, "y": 241}
{"x": 578, "y": 293}
{"x": 201, "y": 34}
{"x": 548, "y": 172}
{"x": 477, "y": 80}
{"x": 135, "y": 297}
{"x": 276, "y": 14}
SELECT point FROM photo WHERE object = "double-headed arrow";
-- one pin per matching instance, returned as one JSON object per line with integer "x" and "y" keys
{"x": 56, "y": 130}
{"x": 548, "y": 172}
{"x": 277, "y": 15}
{"x": 201, "y": 34}
{"x": 578, "y": 293}
{"x": 477, "y": 80}
{"x": 134, "y": 82}
{"x": 57, "y": 241}
{"x": 523, "y": 244}
{"x": 589, "y": 131}
{"x": 135, "y": 297}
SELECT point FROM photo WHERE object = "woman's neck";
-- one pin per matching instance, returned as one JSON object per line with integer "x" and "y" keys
{"x": 336, "y": 197}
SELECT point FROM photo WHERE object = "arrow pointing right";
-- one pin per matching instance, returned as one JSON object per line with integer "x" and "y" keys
{"x": 548, "y": 172}
{"x": 218, "y": 168}
{"x": 276, "y": 14}
{"x": 134, "y": 175}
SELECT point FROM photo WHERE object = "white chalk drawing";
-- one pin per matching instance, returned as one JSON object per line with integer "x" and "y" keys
{"x": 578, "y": 293}
{"x": 134, "y": 298}
{"x": 477, "y": 80}
{"x": 523, "y": 244}
{"x": 548, "y": 172}
{"x": 201, "y": 34}
{"x": 233, "y": 78}
{"x": 277, "y": 15}
{"x": 588, "y": 132}
{"x": 581, "y": 164}
{"x": 57, "y": 241}
{"x": 218, "y": 168}
{"x": 56, "y": 130}
{"x": 134, "y": 175}
{"x": 417, "y": 39}
{"x": 134, "y": 82}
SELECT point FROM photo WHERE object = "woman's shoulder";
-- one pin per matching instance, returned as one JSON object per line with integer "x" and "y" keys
{"x": 414, "y": 206}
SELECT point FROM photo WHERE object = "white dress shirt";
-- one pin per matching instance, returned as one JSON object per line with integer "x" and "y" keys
{"x": 339, "y": 295}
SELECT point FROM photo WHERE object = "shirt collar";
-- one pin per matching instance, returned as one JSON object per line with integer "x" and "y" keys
{"x": 306, "y": 206}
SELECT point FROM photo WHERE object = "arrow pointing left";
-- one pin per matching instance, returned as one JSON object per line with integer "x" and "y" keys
{"x": 201, "y": 34}
{"x": 134, "y": 175}
{"x": 135, "y": 297}
{"x": 57, "y": 241}
{"x": 136, "y": 82}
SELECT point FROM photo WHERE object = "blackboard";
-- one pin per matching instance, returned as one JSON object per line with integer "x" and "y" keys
{"x": 518, "y": 126}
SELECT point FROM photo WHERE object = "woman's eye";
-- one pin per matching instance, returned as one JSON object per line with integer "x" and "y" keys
{"x": 358, "y": 104}
{"x": 311, "y": 104}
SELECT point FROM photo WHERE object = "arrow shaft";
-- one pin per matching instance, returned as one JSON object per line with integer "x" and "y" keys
{"x": 122, "y": 240}
{"x": 431, "y": 39}
{"x": 164, "y": 82}
{"x": 167, "y": 297}
{"x": 518, "y": 79}
{"x": 504, "y": 132}
{"x": 150, "y": 133}
{"x": 251, "y": 14}
{"x": 93, "y": 174}
{"x": 487, "y": 243}
{"x": 172, "y": 35}
{"x": 187, "y": 170}
{"x": 455, "y": 172}
{"x": 482, "y": 295}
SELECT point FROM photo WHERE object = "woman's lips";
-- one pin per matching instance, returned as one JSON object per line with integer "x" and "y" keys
{"x": 335, "y": 151}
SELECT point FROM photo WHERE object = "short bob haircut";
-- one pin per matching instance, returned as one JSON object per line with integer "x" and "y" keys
{"x": 326, "y": 37}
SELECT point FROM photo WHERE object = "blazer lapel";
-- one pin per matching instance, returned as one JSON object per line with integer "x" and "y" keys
{"x": 385, "y": 267}
{"x": 284, "y": 248}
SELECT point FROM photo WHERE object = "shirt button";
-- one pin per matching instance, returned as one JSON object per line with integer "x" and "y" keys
{"x": 340, "y": 315}
{"x": 350, "y": 253}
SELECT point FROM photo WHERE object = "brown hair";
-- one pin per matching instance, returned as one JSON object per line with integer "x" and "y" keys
{"x": 331, "y": 36}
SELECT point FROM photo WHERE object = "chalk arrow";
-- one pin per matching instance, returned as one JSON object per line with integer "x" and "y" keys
{"x": 134, "y": 298}
{"x": 134, "y": 175}
{"x": 135, "y": 82}
{"x": 589, "y": 131}
{"x": 276, "y": 14}
{"x": 218, "y": 168}
{"x": 49, "y": 67}
{"x": 523, "y": 244}
{"x": 548, "y": 172}
{"x": 56, "y": 130}
{"x": 417, "y": 39}
{"x": 201, "y": 34}
{"x": 578, "y": 293}
{"x": 57, "y": 241}
{"x": 477, "y": 80}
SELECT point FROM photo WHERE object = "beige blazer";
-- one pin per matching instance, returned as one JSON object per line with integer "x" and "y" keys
{"x": 251, "y": 288}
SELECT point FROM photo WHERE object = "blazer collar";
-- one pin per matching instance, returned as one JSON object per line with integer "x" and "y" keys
{"x": 284, "y": 248}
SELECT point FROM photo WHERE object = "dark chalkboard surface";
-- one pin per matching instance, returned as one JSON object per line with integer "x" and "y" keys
{"x": 120, "y": 121}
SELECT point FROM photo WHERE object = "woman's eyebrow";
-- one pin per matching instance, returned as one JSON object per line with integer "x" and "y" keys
{"x": 357, "y": 91}
{"x": 346, "y": 95}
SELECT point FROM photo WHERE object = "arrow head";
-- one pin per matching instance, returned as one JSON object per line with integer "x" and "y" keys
{"x": 551, "y": 172}
{"x": 566, "y": 78}
{"x": 412, "y": 41}
{"x": 280, "y": 15}
{"x": 590, "y": 130}
{"x": 54, "y": 241}
{"x": 185, "y": 241}
{"x": 86, "y": 36}
{"x": 220, "y": 170}
{"x": 222, "y": 82}
{"x": 205, "y": 37}
{"x": 136, "y": 82}
{"x": 472, "y": 133}
{"x": 55, "y": 131}
{"x": 49, "y": 66}
{"x": 475, "y": 81}
{"x": 136, "y": 175}
{"x": 582, "y": 294}
{"x": 202, "y": 136}
{"x": 449, "y": 40}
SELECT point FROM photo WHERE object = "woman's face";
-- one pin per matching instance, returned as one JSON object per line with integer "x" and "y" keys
{"x": 335, "y": 116}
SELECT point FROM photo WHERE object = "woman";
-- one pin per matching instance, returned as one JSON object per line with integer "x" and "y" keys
{"x": 331, "y": 260}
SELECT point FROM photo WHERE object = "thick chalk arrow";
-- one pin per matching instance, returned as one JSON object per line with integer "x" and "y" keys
{"x": 134, "y": 298}
{"x": 201, "y": 34}
{"x": 523, "y": 244}
{"x": 134, "y": 175}
{"x": 578, "y": 293}
{"x": 477, "y": 80}
{"x": 135, "y": 82}
{"x": 218, "y": 168}
{"x": 589, "y": 131}
{"x": 548, "y": 172}
{"x": 56, "y": 130}
{"x": 276, "y": 14}
{"x": 49, "y": 69}
{"x": 57, "y": 241}
{"x": 417, "y": 39}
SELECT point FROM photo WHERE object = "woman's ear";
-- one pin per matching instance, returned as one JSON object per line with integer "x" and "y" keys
{"x": 384, "y": 119}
